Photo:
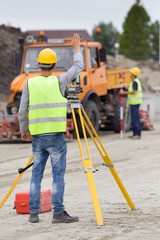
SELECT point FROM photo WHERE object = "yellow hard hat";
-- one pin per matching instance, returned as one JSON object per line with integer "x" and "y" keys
{"x": 135, "y": 71}
{"x": 47, "y": 57}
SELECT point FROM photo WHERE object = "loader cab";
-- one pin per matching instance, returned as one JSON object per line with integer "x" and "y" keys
{"x": 96, "y": 69}
{"x": 64, "y": 58}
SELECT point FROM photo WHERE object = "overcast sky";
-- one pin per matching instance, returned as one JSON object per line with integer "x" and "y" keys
{"x": 70, "y": 14}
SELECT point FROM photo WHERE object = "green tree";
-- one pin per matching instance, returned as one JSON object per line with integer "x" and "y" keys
{"x": 135, "y": 39}
{"x": 108, "y": 37}
{"x": 154, "y": 39}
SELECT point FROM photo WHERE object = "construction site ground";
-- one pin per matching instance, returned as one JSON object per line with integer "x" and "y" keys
{"x": 137, "y": 163}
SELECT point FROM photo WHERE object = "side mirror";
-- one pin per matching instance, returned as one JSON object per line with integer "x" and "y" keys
{"x": 103, "y": 55}
{"x": 18, "y": 55}
{"x": 17, "y": 62}
{"x": 16, "y": 59}
{"x": 21, "y": 41}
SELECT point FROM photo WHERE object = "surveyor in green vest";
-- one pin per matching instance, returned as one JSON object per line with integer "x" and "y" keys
{"x": 43, "y": 97}
{"x": 135, "y": 99}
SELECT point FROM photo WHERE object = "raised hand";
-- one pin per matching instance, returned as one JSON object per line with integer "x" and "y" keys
{"x": 76, "y": 42}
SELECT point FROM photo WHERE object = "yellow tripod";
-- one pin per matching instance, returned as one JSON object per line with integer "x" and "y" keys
{"x": 87, "y": 164}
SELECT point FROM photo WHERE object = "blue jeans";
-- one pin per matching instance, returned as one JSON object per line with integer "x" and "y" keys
{"x": 44, "y": 146}
{"x": 136, "y": 124}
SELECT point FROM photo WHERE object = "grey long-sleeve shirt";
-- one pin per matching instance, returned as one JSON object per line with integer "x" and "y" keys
{"x": 64, "y": 80}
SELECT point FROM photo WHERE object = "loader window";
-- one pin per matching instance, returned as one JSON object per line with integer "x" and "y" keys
{"x": 93, "y": 58}
{"x": 64, "y": 58}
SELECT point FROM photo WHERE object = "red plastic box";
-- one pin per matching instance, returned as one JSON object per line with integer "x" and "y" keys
{"x": 21, "y": 202}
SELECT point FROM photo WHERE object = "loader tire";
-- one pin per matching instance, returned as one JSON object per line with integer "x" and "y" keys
{"x": 116, "y": 118}
{"x": 92, "y": 112}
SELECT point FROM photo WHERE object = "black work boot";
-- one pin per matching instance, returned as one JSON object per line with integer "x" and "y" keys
{"x": 34, "y": 218}
{"x": 64, "y": 217}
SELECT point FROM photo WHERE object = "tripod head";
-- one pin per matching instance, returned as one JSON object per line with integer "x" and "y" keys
{"x": 74, "y": 89}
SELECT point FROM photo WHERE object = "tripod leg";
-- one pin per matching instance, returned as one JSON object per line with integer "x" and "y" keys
{"x": 15, "y": 183}
{"x": 107, "y": 160}
{"x": 87, "y": 165}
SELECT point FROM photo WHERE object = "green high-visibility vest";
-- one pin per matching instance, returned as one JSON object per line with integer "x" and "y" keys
{"x": 47, "y": 106}
{"x": 134, "y": 99}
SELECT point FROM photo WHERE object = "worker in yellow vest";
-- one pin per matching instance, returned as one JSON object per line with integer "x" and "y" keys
{"x": 43, "y": 97}
{"x": 135, "y": 99}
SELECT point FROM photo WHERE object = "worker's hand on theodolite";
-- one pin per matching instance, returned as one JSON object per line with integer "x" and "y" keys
{"x": 76, "y": 42}
{"x": 26, "y": 136}
{"x": 125, "y": 86}
{"x": 122, "y": 92}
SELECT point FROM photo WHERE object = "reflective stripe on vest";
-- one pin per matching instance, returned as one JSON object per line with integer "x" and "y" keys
{"x": 47, "y": 119}
{"x": 47, "y": 106}
{"x": 134, "y": 99}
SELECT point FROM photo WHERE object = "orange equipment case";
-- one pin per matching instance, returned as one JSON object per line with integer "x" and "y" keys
{"x": 21, "y": 202}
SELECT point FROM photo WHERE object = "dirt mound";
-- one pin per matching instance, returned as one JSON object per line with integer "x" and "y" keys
{"x": 149, "y": 76}
{"x": 8, "y": 47}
